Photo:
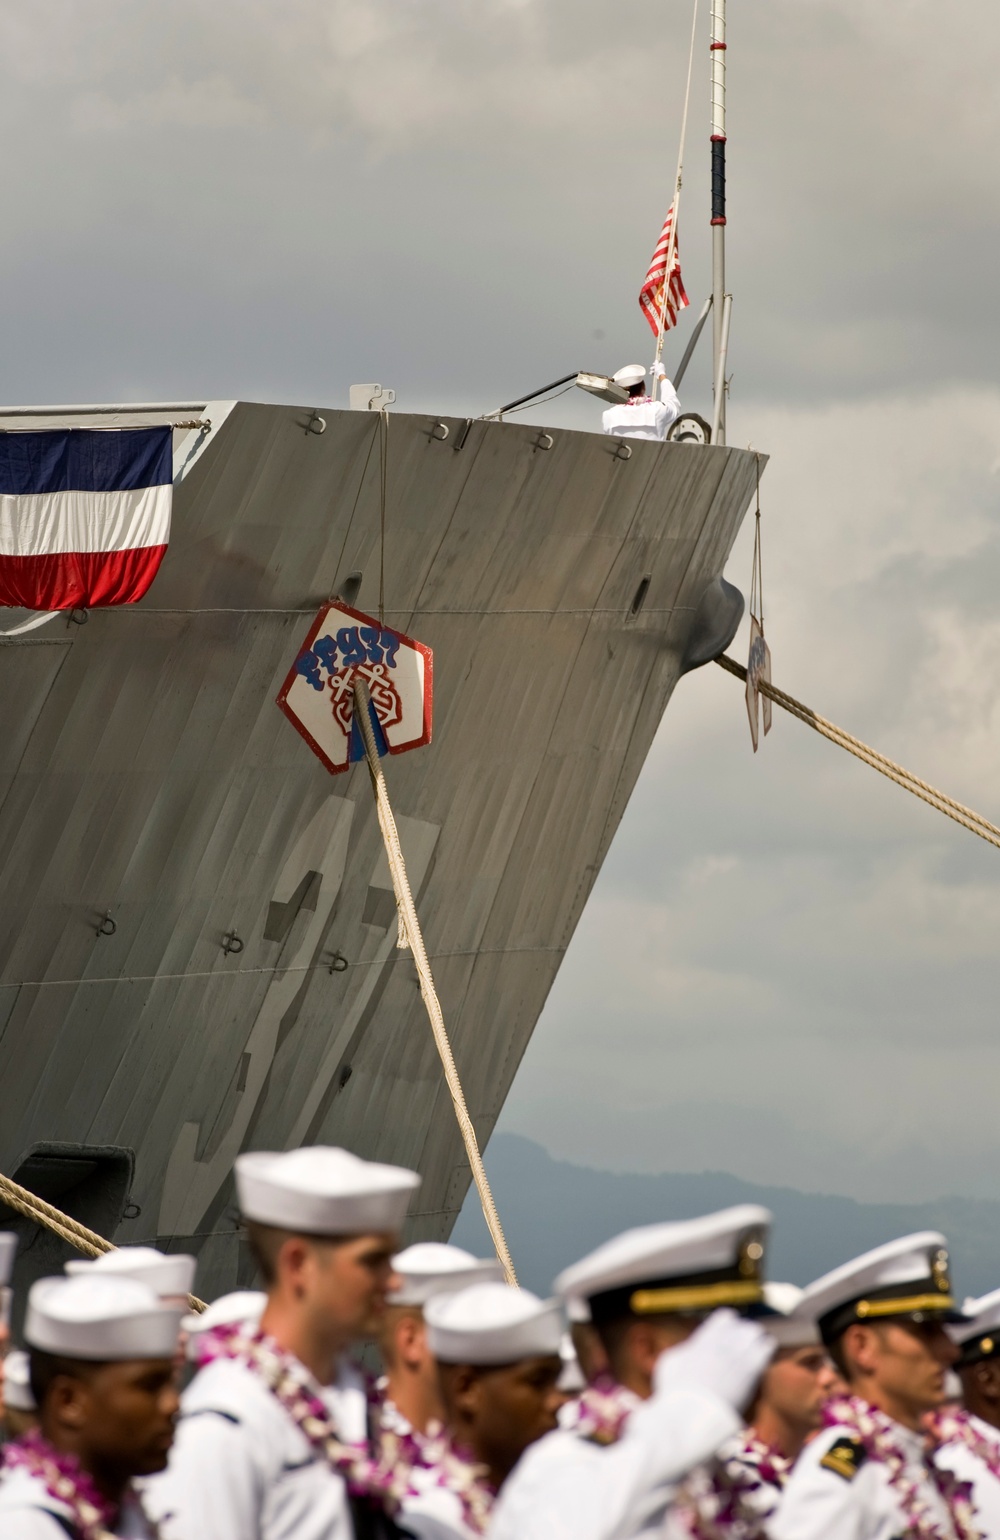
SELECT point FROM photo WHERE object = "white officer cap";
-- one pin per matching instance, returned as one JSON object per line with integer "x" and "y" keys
{"x": 169, "y": 1276}
{"x": 979, "y": 1335}
{"x": 430, "y": 1268}
{"x": 492, "y": 1323}
{"x": 632, "y": 374}
{"x": 792, "y": 1325}
{"x": 906, "y": 1279}
{"x": 100, "y": 1319}
{"x": 685, "y": 1266}
{"x": 8, "y": 1247}
{"x": 242, "y": 1307}
{"x": 17, "y": 1382}
{"x": 317, "y": 1190}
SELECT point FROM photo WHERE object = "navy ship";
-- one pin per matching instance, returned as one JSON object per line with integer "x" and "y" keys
{"x": 198, "y": 926}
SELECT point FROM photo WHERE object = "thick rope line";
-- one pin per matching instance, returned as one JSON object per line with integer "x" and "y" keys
{"x": 939, "y": 800}
{"x": 410, "y": 935}
{"x": 68, "y": 1229}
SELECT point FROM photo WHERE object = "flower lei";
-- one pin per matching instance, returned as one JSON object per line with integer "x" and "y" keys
{"x": 601, "y": 1411}
{"x": 736, "y": 1492}
{"x": 64, "y": 1479}
{"x": 952, "y": 1425}
{"x": 385, "y": 1473}
{"x": 878, "y": 1434}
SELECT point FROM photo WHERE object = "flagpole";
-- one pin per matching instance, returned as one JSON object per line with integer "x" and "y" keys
{"x": 678, "y": 181}
{"x": 720, "y": 319}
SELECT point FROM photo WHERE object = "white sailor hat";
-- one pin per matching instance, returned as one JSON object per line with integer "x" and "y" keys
{"x": 8, "y": 1246}
{"x": 978, "y": 1335}
{"x": 431, "y": 1267}
{"x": 243, "y": 1306}
{"x": 492, "y": 1323}
{"x": 687, "y": 1266}
{"x": 906, "y": 1279}
{"x": 169, "y": 1276}
{"x": 786, "y": 1318}
{"x": 17, "y": 1382}
{"x": 101, "y": 1319}
{"x": 632, "y": 374}
{"x": 317, "y": 1190}
{"x": 577, "y": 1310}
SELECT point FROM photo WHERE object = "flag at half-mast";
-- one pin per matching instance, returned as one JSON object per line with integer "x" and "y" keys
{"x": 651, "y": 293}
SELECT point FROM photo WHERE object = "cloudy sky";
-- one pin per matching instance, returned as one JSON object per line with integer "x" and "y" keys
{"x": 459, "y": 198}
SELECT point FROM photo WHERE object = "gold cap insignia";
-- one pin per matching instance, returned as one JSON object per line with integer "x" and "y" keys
{"x": 986, "y": 1345}
{"x": 939, "y": 1270}
{"x": 751, "y": 1255}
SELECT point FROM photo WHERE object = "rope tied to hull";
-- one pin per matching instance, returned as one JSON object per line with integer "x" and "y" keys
{"x": 939, "y": 800}
{"x": 410, "y": 934}
{"x": 92, "y": 1245}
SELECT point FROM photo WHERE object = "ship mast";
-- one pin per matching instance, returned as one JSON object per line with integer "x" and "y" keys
{"x": 720, "y": 302}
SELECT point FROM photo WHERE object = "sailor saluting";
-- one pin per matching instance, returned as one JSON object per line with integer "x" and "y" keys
{"x": 676, "y": 1381}
{"x": 642, "y": 416}
{"x": 869, "y": 1475}
{"x": 273, "y": 1436}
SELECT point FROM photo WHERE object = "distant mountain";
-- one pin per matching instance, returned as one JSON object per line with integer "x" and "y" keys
{"x": 554, "y": 1212}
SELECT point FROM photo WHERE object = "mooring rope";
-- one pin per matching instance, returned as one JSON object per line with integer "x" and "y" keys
{"x": 966, "y": 816}
{"x": 410, "y": 935}
{"x": 68, "y": 1229}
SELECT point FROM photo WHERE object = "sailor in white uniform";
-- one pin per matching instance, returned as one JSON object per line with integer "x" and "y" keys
{"x": 272, "y": 1429}
{"x": 19, "y": 1405}
{"x": 102, "y": 1373}
{"x": 411, "y": 1395}
{"x": 735, "y": 1494}
{"x": 497, "y": 1351}
{"x": 868, "y": 1475}
{"x": 970, "y": 1434}
{"x": 19, "y": 1410}
{"x": 678, "y": 1379}
{"x": 642, "y": 416}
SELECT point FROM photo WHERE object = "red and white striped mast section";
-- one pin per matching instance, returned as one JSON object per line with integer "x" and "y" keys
{"x": 721, "y": 301}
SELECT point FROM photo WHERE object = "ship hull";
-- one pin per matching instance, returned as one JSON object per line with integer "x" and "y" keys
{"x": 149, "y": 784}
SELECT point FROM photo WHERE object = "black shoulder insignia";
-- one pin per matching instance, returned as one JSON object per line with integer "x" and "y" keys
{"x": 845, "y": 1457}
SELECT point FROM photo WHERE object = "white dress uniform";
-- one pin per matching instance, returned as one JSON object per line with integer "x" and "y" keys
{"x": 836, "y": 1493}
{"x": 484, "y": 1324}
{"x": 570, "y": 1487}
{"x": 28, "y": 1512}
{"x": 241, "y": 1468}
{"x": 978, "y": 1339}
{"x": 643, "y": 416}
{"x": 97, "y": 1319}
{"x": 985, "y": 1486}
{"x": 840, "y": 1489}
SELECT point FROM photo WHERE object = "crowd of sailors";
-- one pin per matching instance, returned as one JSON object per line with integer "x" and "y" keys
{"x": 666, "y": 1388}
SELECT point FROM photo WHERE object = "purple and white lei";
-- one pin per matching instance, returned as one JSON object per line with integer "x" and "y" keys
{"x": 879, "y": 1436}
{"x": 736, "y": 1493}
{"x": 392, "y": 1470}
{"x": 601, "y": 1411}
{"x": 952, "y": 1425}
{"x": 65, "y": 1480}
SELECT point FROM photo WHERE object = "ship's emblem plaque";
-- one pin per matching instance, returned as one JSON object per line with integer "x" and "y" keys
{"x": 318, "y": 696}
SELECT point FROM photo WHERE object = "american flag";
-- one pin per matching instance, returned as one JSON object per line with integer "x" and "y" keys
{"x": 651, "y": 293}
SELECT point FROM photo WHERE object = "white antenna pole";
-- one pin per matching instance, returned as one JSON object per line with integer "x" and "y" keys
{"x": 678, "y": 181}
{"x": 719, "y": 317}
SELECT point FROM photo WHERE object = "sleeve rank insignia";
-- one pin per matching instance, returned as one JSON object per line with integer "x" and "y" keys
{"x": 845, "y": 1457}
